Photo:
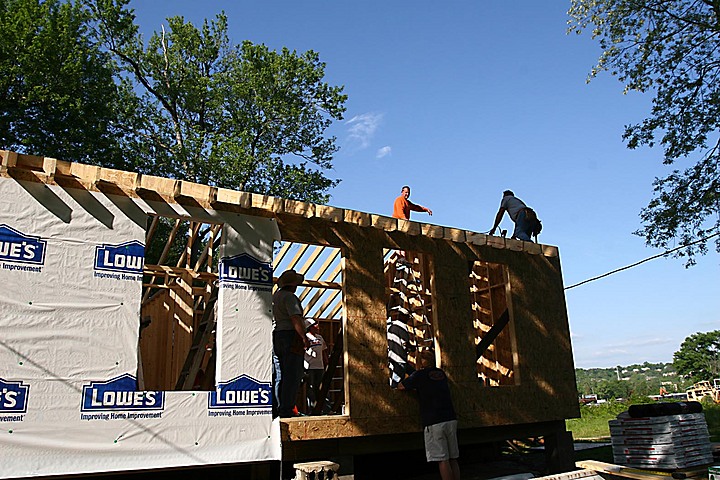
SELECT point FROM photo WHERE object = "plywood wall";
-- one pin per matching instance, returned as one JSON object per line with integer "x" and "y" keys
{"x": 543, "y": 387}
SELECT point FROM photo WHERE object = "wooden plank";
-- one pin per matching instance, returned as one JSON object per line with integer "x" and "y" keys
{"x": 330, "y": 301}
{"x": 63, "y": 168}
{"x": 201, "y": 193}
{"x": 160, "y": 185}
{"x": 164, "y": 253}
{"x": 311, "y": 259}
{"x": 183, "y": 322}
{"x": 358, "y": 218}
{"x": 233, "y": 197}
{"x": 185, "y": 258}
{"x": 298, "y": 255}
{"x": 295, "y": 207}
{"x": 408, "y": 226}
{"x": 85, "y": 173}
{"x": 151, "y": 231}
{"x": 549, "y": 251}
{"x": 9, "y": 160}
{"x": 329, "y": 213}
{"x": 434, "y": 231}
{"x": 49, "y": 167}
{"x": 123, "y": 180}
{"x": 496, "y": 242}
{"x": 476, "y": 238}
{"x": 628, "y": 472}
{"x": 532, "y": 248}
{"x": 266, "y": 202}
{"x": 454, "y": 234}
{"x": 318, "y": 284}
{"x": 281, "y": 254}
{"x": 382, "y": 222}
{"x": 515, "y": 245}
{"x": 207, "y": 251}
{"x": 318, "y": 293}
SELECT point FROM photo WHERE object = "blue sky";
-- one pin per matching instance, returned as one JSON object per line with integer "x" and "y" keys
{"x": 464, "y": 99}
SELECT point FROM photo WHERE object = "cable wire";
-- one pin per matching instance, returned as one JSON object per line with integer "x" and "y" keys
{"x": 643, "y": 261}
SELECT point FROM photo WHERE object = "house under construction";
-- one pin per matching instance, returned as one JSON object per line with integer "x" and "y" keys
{"x": 184, "y": 324}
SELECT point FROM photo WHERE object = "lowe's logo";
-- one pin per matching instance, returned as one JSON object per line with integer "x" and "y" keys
{"x": 244, "y": 268}
{"x": 13, "y": 397}
{"x": 241, "y": 392}
{"x": 17, "y": 247}
{"x": 127, "y": 257}
{"x": 120, "y": 393}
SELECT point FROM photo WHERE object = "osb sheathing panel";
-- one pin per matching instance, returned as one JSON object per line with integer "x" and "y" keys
{"x": 545, "y": 383}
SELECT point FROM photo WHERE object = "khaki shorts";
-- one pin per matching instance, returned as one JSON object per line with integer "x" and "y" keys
{"x": 441, "y": 441}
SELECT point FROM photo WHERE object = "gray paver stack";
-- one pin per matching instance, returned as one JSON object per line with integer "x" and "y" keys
{"x": 663, "y": 442}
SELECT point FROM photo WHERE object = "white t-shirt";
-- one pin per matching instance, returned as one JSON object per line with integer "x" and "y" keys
{"x": 313, "y": 354}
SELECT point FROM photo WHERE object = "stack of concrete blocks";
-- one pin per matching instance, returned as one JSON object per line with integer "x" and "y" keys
{"x": 663, "y": 442}
{"x": 321, "y": 470}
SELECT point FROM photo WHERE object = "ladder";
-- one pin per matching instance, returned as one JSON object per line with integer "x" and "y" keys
{"x": 195, "y": 355}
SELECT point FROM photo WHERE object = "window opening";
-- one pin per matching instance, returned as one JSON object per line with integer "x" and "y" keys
{"x": 494, "y": 337}
{"x": 322, "y": 301}
{"x": 178, "y": 299}
{"x": 408, "y": 280}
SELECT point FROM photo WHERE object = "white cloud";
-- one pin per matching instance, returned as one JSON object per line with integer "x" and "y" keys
{"x": 383, "y": 152}
{"x": 361, "y": 128}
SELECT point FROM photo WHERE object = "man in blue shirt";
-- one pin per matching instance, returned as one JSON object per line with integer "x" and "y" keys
{"x": 518, "y": 211}
{"x": 437, "y": 415}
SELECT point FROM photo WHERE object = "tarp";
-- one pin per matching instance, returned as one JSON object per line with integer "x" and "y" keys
{"x": 70, "y": 293}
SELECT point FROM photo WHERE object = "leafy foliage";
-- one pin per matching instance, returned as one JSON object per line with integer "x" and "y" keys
{"x": 638, "y": 380}
{"x": 670, "y": 48}
{"x": 699, "y": 356}
{"x": 241, "y": 117}
{"x": 79, "y": 83}
{"x": 57, "y": 94}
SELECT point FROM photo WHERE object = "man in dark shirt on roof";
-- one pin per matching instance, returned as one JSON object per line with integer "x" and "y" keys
{"x": 517, "y": 210}
{"x": 437, "y": 415}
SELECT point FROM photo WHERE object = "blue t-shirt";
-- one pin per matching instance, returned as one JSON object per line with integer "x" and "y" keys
{"x": 434, "y": 393}
{"x": 513, "y": 205}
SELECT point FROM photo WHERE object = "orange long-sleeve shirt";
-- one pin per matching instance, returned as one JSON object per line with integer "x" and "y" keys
{"x": 402, "y": 208}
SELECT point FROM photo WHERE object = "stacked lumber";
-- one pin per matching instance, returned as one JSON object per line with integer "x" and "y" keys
{"x": 664, "y": 442}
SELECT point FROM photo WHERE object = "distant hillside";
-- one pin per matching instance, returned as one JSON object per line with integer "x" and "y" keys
{"x": 623, "y": 382}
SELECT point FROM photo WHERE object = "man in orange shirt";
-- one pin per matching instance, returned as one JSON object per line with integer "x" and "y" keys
{"x": 403, "y": 206}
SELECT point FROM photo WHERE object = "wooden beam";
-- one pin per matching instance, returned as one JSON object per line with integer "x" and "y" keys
{"x": 281, "y": 254}
{"x": 9, "y": 160}
{"x": 323, "y": 268}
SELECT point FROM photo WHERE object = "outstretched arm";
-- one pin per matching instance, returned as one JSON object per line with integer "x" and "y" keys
{"x": 418, "y": 208}
{"x": 498, "y": 217}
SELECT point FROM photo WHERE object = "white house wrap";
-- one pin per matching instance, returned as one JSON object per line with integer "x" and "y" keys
{"x": 71, "y": 264}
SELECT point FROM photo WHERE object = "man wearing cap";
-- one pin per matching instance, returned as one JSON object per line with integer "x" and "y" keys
{"x": 289, "y": 342}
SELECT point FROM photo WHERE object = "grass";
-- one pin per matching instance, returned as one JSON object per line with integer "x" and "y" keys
{"x": 593, "y": 422}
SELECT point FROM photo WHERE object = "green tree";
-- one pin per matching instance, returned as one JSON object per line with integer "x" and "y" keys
{"x": 57, "y": 93}
{"x": 699, "y": 356}
{"x": 669, "y": 48}
{"x": 609, "y": 389}
{"x": 242, "y": 117}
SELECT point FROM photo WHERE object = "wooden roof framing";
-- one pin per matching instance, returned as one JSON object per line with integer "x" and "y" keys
{"x": 53, "y": 171}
